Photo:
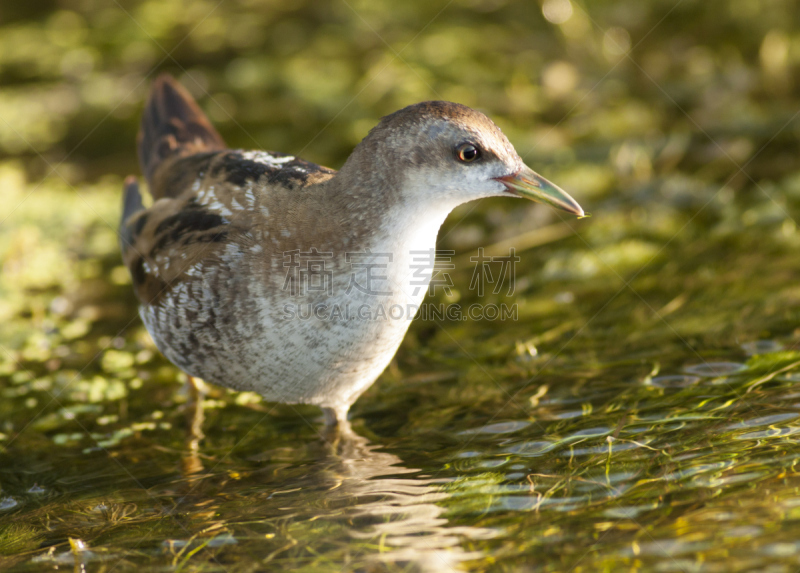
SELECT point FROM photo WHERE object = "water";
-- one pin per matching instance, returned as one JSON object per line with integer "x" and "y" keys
{"x": 641, "y": 410}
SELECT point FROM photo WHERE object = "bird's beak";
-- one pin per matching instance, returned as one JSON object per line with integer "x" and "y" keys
{"x": 529, "y": 184}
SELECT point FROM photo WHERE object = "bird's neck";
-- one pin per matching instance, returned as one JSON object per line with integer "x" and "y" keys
{"x": 395, "y": 223}
{"x": 391, "y": 209}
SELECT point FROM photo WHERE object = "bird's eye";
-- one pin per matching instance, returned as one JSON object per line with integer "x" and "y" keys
{"x": 467, "y": 152}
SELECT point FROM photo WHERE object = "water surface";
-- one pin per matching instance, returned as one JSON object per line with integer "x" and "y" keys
{"x": 640, "y": 413}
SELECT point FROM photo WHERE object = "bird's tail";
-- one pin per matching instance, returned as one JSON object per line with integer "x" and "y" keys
{"x": 131, "y": 199}
{"x": 131, "y": 204}
{"x": 172, "y": 124}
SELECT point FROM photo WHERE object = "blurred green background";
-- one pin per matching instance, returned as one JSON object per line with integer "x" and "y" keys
{"x": 564, "y": 82}
{"x": 657, "y": 102}
{"x": 639, "y": 415}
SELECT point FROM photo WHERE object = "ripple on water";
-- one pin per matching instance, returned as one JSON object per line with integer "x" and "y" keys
{"x": 783, "y": 549}
{"x": 217, "y": 541}
{"x": 491, "y": 464}
{"x": 568, "y": 415}
{"x": 743, "y": 531}
{"x": 763, "y": 421}
{"x": 499, "y": 428}
{"x": 616, "y": 446}
{"x": 530, "y": 448}
{"x": 693, "y": 471}
{"x": 717, "y": 480}
{"x": 8, "y": 503}
{"x": 770, "y": 433}
{"x": 761, "y": 347}
{"x": 715, "y": 369}
{"x": 527, "y": 503}
{"x": 628, "y": 511}
{"x": 670, "y": 548}
{"x": 675, "y": 381}
{"x": 590, "y": 433}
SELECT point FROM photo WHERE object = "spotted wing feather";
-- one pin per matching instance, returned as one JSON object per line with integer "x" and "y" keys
{"x": 209, "y": 202}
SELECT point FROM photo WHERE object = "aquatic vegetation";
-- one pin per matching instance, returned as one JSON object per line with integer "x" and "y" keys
{"x": 640, "y": 413}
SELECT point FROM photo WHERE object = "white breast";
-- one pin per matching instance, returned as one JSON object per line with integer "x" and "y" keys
{"x": 315, "y": 348}
{"x": 327, "y": 350}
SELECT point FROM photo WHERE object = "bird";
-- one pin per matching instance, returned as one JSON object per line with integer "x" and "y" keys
{"x": 240, "y": 249}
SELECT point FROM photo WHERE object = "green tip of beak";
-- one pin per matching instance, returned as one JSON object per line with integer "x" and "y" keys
{"x": 529, "y": 184}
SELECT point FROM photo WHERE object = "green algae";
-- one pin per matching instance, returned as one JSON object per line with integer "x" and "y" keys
{"x": 641, "y": 412}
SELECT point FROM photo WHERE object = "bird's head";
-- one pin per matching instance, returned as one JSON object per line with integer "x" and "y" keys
{"x": 451, "y": 152}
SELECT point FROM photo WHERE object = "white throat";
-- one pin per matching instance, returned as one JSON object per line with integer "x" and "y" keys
{"x": 410, "y": 236}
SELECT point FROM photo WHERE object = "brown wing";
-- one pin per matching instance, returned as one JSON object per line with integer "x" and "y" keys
{"x": 173, "y": 127}
{"x": 208, "y": 200}
{"x": 164, "y": 243}
{"x": 213, "y": 200}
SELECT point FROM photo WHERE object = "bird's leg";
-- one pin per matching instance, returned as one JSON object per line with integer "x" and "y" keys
{"x": 336, "y": 424}
{"x": 191, "y": 462}
{"x": 197, "y": 391}
{"x": 330, "y": 417}
{"x": 335, "y": 416}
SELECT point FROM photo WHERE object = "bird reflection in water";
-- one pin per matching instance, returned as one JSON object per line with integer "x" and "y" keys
{"x": 386, "y": 504}
{"x": 344, "y": 487}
